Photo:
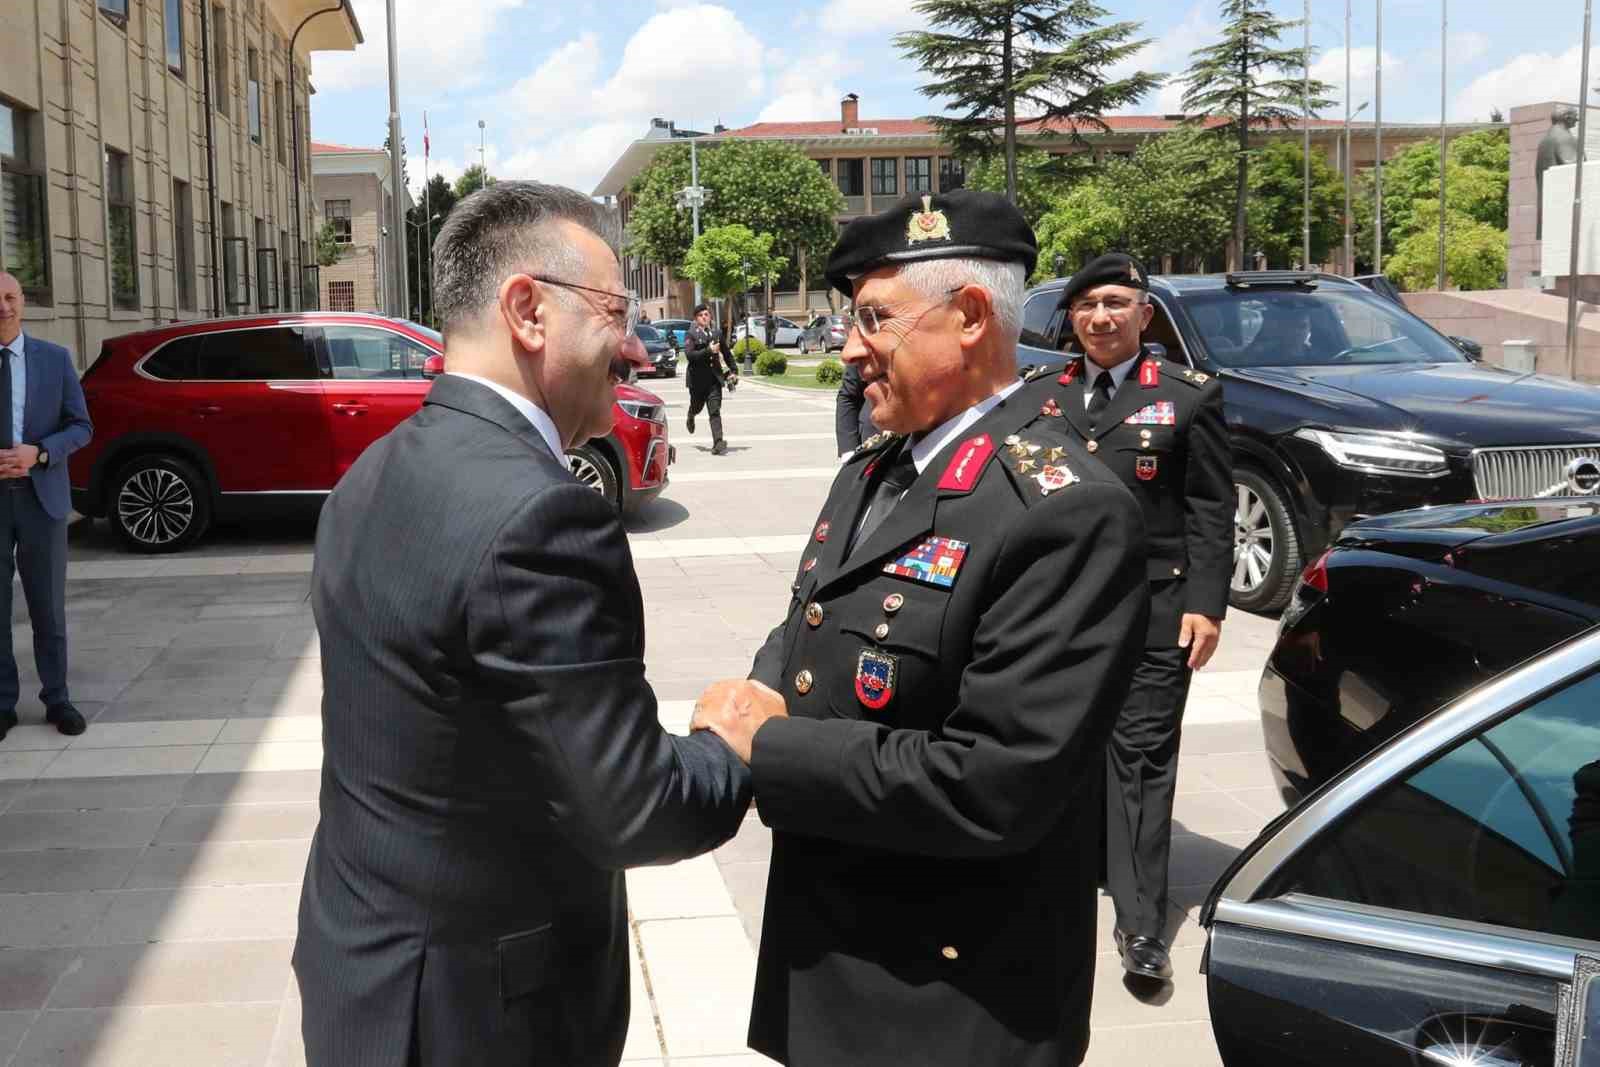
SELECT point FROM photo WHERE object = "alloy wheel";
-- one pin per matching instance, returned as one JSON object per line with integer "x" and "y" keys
{"x": 156, "y": 506}
{"x": 1252, "y": 541}
{"x": 586, "y": 472}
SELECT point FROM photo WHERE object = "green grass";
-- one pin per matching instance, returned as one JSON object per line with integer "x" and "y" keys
{"x": 799, "y": 377}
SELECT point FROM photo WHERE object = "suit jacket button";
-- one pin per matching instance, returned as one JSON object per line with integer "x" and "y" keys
{"x": 814, "y": 614}
{"x": 803, "y": 682}
{"x": 949, "y": 952}
{"x": 1093, "y": 446}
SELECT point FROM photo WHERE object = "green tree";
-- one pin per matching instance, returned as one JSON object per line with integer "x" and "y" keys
{"x": 403, "y": 176}
{"x": 1042, "y": 179}
{"x": 658, "y": 230}
{"x": 727, "y": 260}
{"x": 1477, "y": 187}
{"x": 1085, "y": 223}
{"x": 1474, "y": 251}
{"x": 1246, "y": 81}
{"x": 328, "y": 248}
{"x": 1277, "y": 183}
{"x": 470, "y": 181}
{"x": 1053, "y": 57}
{"x": 424, "y": 220}
{"x": 1175, "y": 194}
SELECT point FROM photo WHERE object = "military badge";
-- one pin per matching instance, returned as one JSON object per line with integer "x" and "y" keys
{"x": 935, "y": 561}
{"x": 1161, "y": 413}
{"x": 810, "y": 563}
{"x": 875, "y": 677}
{"x": 1149, "y": 374}
{"x": 1133, "y": 274}
{"x": 927, "y": 224}
{"x": 822, "y": 531}
{"x": 1051, "y": 408}
{"x": 1069, "y": 373}
{"x": 1144, "y": 468}
{"x": 1053, "y": 477}
{"x": 967, "y": 464}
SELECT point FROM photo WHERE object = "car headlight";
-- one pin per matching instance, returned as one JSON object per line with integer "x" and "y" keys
{"x": 1379, "y": 453}
{"x": 640, "y": 409}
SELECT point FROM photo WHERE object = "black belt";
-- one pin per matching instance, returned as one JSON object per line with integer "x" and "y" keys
{"x": 15, "y": 483}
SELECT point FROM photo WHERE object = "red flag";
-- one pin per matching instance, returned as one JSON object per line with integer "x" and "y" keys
{"x": 424, "y": 135}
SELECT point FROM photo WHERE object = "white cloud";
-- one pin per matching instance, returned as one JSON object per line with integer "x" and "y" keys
{"x": 1467, "y": 46}
{"x": 1168, "y": 54}
{"x": 852, "y": 18}
{"x": 441, "y": 46}
{"x": 564, "y": 83}
{"x": 1529, "y": 78}
{"x": 1363, "y": 78}
{"x": 808, "y": 92}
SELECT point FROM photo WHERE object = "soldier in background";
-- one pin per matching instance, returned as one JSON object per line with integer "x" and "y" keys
{"x": 702, "y": 348}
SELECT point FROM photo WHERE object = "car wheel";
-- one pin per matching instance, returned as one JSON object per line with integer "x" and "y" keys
{"x": 159, "y": 504}
{"x": 1266, "y": 551}
{"x": 591, "y": 467}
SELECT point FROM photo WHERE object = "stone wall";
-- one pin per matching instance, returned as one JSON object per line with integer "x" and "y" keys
{"x": 1493, "y": 317}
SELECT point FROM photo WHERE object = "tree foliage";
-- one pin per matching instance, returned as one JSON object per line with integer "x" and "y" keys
{"x": 1474, "y": 253}
{"x": 729, "y": 259}
{"x": 471, "y": 180}
{"x": 1246, "y": 81}
{"x": 440, "y": 198}
{"x": 1051, "y": 59}
{"x": 328, "y": 249}
{"x": 1277, "y": 183}
{"x": 1042, "y": 179}
{"x": 1477, "y": 188}
{"x": 1085, "y": 223}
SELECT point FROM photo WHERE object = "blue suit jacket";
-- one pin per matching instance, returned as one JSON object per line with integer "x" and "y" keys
{"x": 55, "y": 418}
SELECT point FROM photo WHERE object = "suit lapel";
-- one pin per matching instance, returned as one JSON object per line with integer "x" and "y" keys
{"x": 1076, "y": 406}
{"x": 33, "y": 362}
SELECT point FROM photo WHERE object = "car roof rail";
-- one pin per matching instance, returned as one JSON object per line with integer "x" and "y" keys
{"x": 1266, "y": 279}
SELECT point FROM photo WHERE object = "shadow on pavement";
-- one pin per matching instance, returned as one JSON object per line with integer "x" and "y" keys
{"x": 658, "y": 515}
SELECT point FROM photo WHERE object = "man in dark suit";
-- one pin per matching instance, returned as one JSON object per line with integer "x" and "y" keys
{"x": 852, "y": 412}
{"x": 43, "y": 420}
{"x": 1158, "y": 426}
{"x": 492, "y": 755}
{"x": 926, "y": 729}
{"x": 703, "y": 346}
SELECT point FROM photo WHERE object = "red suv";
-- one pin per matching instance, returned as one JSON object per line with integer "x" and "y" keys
{"x": 234, "y": 418}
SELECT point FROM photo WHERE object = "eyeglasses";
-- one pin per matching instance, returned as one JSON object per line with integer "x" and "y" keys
{"x": 630, "y": 315}
{"x": 1114, "y": 305}
{"x": 870, "y": 318}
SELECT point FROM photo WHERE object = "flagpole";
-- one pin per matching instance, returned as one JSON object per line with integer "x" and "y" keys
{"x": 427, "y": 221}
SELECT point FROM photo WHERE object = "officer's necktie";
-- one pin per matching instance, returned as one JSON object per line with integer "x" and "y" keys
{"x": 897, "y": 474}
{"x": 1100, "y": 397}
{"x": 6, "y": 355}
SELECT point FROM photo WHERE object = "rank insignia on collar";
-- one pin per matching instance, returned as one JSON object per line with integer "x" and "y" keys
{"x": 927, "y": 224}
{"x": 875, "y": 678}
{"x": 1201, "y": 378}
{"x": 1025, "y": 466}
{"x": 1055, "y": 454}
{"x": 810, "y": 563}
{"x": 1035, "y": 373}
{"x": 1053, "y": 477}
{"x": 935, "y": 561}
{"x": 967, "y": 464}
{"x": 1069, "y": 373}
{"x": 822, "y": 531}
{"x": 1149, "y": 374}
{"x": 1144, "y": 468}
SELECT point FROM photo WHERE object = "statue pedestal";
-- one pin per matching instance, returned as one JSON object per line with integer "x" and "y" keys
{"x": 1555, "y": 258}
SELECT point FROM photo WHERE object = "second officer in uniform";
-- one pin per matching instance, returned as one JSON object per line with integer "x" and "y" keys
{"x": 1159, "y": 427}
{"x": 702, "y": 348}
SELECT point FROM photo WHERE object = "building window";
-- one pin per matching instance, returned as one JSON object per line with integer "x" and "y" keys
{"x": 952, "y": 174}
{"x": 252, "y": 93}
{"x": 266, "y": 270}
{"x": 183, "y": 243}
{"x": 885, "y": 177}
{"x": 338, "y": 213}
{"x": 124, "y": 252}
{"x": 341, "y": 296}
{"x": 851, "y": 176}
{"x": 219, "y": 61}
{"x": 235, "y": 274}
{"x": 919, "y": 174}
{"x": 116, "y": 8}
{"x": 24, "y": 234}
{"x": 280, "y": 135}
{"x": 827, "y": 166}
{"x": 174, "y": 28}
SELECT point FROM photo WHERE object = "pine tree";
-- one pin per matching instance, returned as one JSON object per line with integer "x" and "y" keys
{"x": 1246, "y": 81}
{"x": 1049, "y": 56}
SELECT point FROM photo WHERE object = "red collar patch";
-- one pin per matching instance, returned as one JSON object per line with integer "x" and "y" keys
{"x": 1149, "y": 374}
{"x": 1069, "y": 373}
{"x": 967, "y": 464}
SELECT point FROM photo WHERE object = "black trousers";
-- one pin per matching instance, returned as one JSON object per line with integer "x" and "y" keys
{"x": 1141, "y": 776}
{"x": 711, "y": 401}
{"x": 36, "y": 545}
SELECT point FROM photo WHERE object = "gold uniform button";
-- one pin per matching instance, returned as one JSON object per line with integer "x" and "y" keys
{"x": 803, "y": 682}
{"x": 893, "y": 603}
{"x": 814, "y": 614}
{"x": 882, "y": 631}
{"x": 1177, "y": 571}
{"x": 1093, "y": 447}
{"x": 1144, "y": 435}
{"x": 949, "y": 952}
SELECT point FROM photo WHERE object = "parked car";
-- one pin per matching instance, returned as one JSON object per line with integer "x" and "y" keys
{"x": 1406, "y": 612}
{"x": 673, "y": 331}
{"x": 663, "y": 358}
{"x": 1341, "y": 405}
{"x": 1430, "y": 904}
{"x": 786, "y": 334}
{"x": 825, "y": 333}
{"x": 230, "y": 418}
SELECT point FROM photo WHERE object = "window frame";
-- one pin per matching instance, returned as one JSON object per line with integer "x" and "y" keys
{"x": 344, "y": 285}
{"x": 951, "y": 166}
{"x": 221, "y": 76}
{"x": 252, "y": 93}
{"x": 172, "y": 16}
{"x": 926, "y": 177}
{"x": 183, "y": 262}
{"x": 859, "y": 170}
{"x": 280, "y": 134}
{"x": 33, "y": 173}
{"x": 348, "y": 229}
{"x": 884, "y": 181}
{"x": 121, "y": 197}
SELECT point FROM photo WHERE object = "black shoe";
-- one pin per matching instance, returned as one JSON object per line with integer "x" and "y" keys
{"x": 1145, "y": 957}
{"x": 8, "y": 719}
{"x": 65, "y": 718}
{"x": 691, "y": 422}
{"x": 720, "y": 448}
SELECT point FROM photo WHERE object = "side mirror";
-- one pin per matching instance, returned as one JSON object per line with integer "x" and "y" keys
{"x": 432, "y": 367}
{"x": 1472, "y": 348}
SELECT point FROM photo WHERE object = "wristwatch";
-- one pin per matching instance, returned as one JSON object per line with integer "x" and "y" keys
{"x": 43, "y": 460}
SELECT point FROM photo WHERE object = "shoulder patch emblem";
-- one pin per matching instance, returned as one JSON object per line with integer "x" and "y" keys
{"x": 1054, "y": 476}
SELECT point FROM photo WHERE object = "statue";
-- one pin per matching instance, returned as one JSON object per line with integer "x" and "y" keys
{"x": 1557, "y": 147}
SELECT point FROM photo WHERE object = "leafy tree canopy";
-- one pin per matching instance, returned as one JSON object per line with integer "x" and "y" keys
{"x": 1474, "y": 251}
{"x": 729, "y": 259}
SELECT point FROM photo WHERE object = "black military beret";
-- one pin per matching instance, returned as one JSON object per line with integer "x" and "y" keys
{"x": 963, "y": 223}
{"x": 1113, "y": 268}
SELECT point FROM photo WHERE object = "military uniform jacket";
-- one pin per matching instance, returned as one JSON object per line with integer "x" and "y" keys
{"x": 704, "y": 375}
{"x": 1164, "y": 436}
{"x": 934, "y": 794}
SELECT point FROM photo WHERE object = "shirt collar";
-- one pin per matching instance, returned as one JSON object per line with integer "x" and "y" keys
{"x": 1119, "y": 373}
{"x": 931, "y": 444}
{"x": 529, "y": 410}
{"x": 17, "y": 345}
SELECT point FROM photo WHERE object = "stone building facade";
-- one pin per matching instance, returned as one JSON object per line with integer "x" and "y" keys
{"x": 147, "y": 161}
{"x": 352, "y": 191}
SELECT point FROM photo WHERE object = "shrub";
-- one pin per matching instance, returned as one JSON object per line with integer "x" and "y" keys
{"x": 752, "y": 345}
{"x": 830, "y": 372}
{"x": 771, "y": 362}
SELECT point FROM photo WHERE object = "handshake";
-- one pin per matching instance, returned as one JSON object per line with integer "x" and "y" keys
{"x": 734, "y": 710}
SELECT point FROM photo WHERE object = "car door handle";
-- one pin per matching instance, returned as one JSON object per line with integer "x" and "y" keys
{"x": 207, "y": 409}
{"x": 349, "y": 408}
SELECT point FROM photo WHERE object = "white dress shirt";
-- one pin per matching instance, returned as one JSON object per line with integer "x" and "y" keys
{"x": 530, "y": 411}
{"x": 1092, "y": 370}
{"x": 930, "y": 444}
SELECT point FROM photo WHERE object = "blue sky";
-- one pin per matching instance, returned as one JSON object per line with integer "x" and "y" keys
{"x": 562, "y": 89}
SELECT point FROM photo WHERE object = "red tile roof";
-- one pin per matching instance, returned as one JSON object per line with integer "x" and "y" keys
{"x": 323, "y": 146}
{"x": 914, "y": 127}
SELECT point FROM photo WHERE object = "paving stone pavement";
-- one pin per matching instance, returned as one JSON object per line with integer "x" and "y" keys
{"x": 150, "y": 869}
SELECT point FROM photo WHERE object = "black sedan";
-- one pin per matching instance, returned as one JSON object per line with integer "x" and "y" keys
{"x": 1437, "y": 903}
{"x": 1342, "y": 405}
{"x": 663, "y": 358}
{"x": 1408, "y": 611}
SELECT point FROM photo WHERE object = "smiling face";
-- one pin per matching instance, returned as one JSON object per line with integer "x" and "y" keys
{"x": 1108, "y": 320}
{"x": 11, "y": 308}
{"x": 915, "y": 368}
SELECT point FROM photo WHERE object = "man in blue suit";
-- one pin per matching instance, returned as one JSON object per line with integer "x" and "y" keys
{"x": 43, "y": 420}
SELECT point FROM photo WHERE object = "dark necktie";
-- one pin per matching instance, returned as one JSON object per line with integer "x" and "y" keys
{"x": 5, "y": 397}
{"x": 1100, "y": 397}
{"x": 897, "y": 474}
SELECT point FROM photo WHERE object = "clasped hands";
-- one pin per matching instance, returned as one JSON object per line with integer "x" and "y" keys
{"x": 734, "y": 710}
{"x": 17, "y": 462}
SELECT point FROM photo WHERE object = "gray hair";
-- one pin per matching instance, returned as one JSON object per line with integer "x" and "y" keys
{"x": 1005, "y": 282}
{"x": 504, "y": 229}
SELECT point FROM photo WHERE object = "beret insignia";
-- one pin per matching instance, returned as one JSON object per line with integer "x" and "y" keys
{"x": 927, "y": 224}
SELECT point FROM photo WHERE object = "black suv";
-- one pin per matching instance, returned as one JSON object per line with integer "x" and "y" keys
{"x": 1341, "y": 405}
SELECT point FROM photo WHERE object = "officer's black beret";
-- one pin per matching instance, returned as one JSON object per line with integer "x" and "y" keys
{"x": 1113, "y": 268}
{"x": 963, "y": 223}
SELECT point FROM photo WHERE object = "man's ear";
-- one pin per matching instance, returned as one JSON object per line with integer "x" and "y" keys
{"x": 1147, "y": 314}
{"x": 523, "y": 310}
{"x": 977, "y": 313}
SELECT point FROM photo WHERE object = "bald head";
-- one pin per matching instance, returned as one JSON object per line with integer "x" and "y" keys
{"x": 11, "y": 305}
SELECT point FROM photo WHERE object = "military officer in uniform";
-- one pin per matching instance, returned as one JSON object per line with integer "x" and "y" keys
{"x": 926, "y": 729}
{"x": 1158, "y": 426}
{"x": 702, "y": 348}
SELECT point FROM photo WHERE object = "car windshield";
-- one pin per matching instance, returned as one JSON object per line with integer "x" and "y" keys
{"x": 646, "y": 332}
{"x": 1296, "y": 328}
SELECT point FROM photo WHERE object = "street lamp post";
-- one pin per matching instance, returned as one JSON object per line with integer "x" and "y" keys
{"x": 396, "y": 174}
{"x": 1577, "y": 201}
{"x": 423, "y": 251}
{"x": 1349, "y": 236}
{"x": 1377, "y": 160}
{"x": 693, "y": 197}
{"x": 1305, "y": 122}
{"x": 1444, "y": 42}
{"x": 483, "y": 168}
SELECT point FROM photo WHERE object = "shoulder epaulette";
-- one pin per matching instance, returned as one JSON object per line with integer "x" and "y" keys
{"x": 1033, "y": 374}
{"x": 1195, "y": 378}
{"x": 876, "y": 441}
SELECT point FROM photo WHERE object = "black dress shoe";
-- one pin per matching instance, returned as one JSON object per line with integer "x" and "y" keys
{"x": 720, "y": 448}
{"x": 691, "y": 422}
{"x": 1144, "y": 957}
{"x": 65, "y": 718}
{"x": 8, "y": 719}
